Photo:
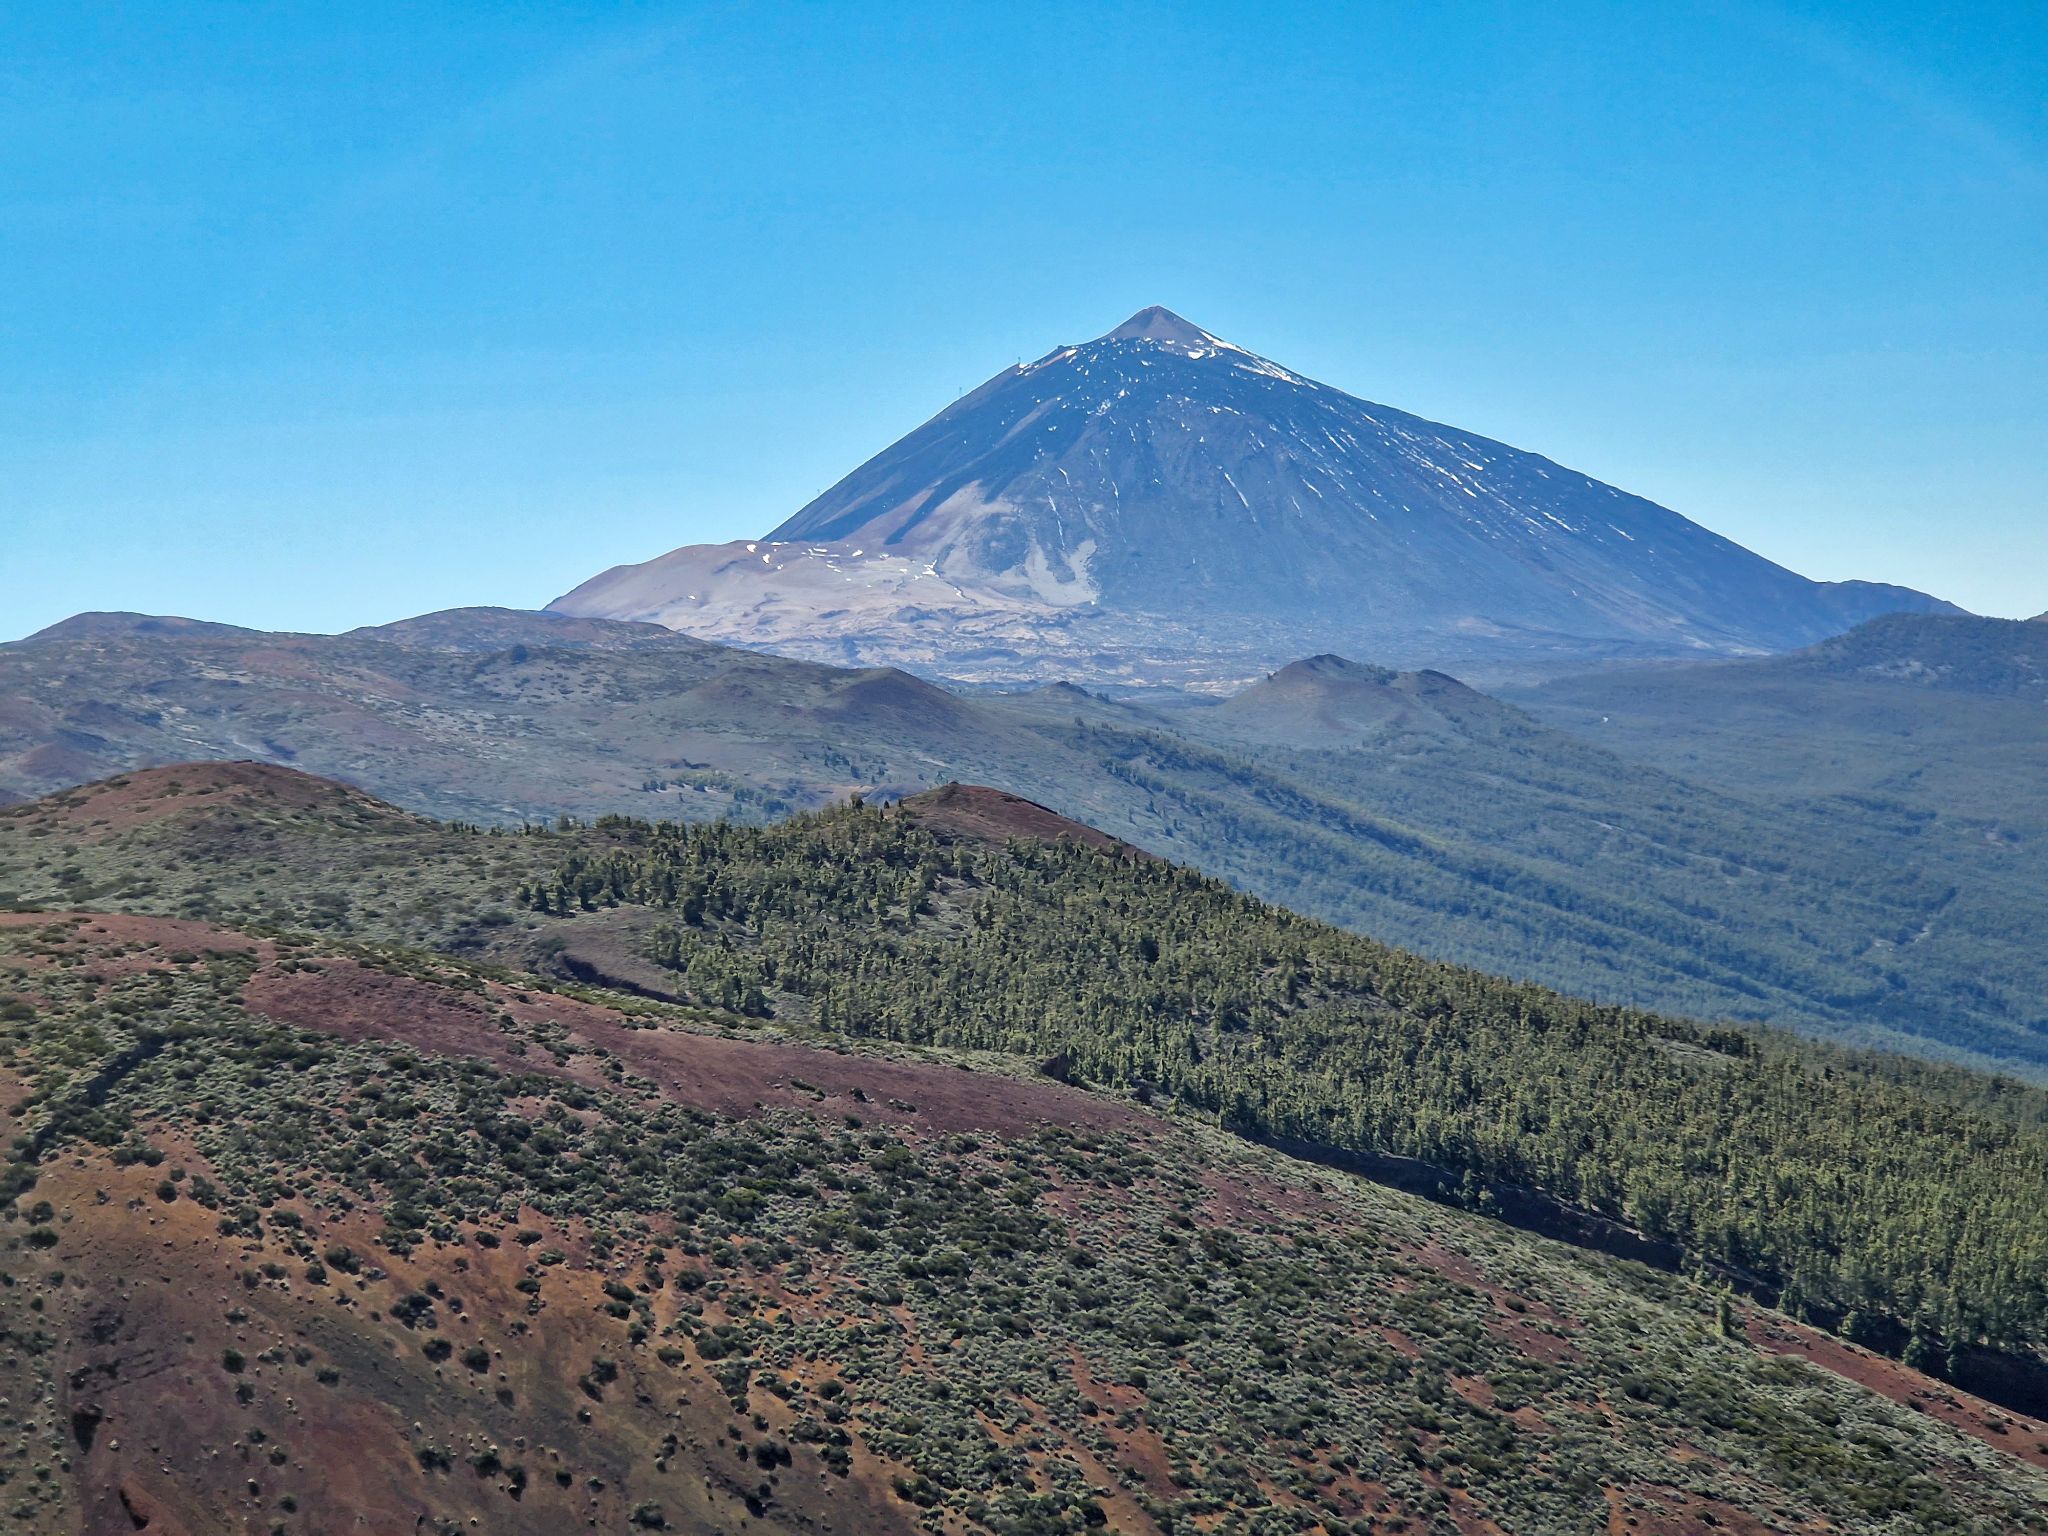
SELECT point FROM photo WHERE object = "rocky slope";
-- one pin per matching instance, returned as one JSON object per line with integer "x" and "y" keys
{"x": 1159, "y": 505}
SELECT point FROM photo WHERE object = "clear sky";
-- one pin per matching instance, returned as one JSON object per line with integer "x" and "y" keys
{"x": 318, "y": 315}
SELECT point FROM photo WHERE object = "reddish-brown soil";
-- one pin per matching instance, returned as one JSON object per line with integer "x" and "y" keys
{"x": 736, "y": 1077}
{"x": 337, "y": 995}
{"x": 135, "y": 799}
{"x": 2013, "y": 1433}
{"x": 103, "y": 928}
{"x": 1536, "y": 1341}
{"x": 1241, "y": 1198}
{"x": 1138, "y": 1447}
{"x": 976, "y": 814}
{"x": 105, "y": 933}
{"x": 353, "y": 1001}
{"x": 155, "y": 1297}
{"x": 1535, "y": 1327}
{"x": 154, "y": 1294}
{"x": 710, "y": 1072}
{"x": 1667, "y": 1512}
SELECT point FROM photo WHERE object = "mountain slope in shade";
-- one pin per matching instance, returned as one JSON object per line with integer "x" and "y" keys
{"x": 493, "y": 629}
{"x": 108, "y": 626}
{"x": 1159, "y": 505}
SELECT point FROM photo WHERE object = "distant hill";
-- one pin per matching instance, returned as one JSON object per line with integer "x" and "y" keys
{"x": 1952, "y": 654}
{"x": 85, "y": 626}
{"x": 1161, "y": 506}
{"x": 1329, "y": 701}
{"x": 1932, "y": 722}
{"x": 491, "y": 629}
{"x": 211, "y": 792}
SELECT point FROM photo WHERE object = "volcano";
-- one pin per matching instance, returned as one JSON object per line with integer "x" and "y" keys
{"x": 1161, "y": 506}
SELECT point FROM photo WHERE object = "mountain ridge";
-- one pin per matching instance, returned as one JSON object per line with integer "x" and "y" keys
{"x": 1933, "y": 711}
{"x": 979, "y": 813}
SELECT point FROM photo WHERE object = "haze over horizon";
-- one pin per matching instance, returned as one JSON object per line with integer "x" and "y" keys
{"x": 312, "y": 328}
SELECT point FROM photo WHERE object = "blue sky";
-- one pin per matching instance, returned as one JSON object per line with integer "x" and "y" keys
{"x": 313, "y": 316}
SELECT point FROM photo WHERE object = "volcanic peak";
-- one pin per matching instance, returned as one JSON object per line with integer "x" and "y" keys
{"x": 1158, "y": 323}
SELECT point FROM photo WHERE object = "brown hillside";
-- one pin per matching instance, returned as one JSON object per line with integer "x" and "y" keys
{"x": 149, "y": 795}
{"x": 975, "y": 813}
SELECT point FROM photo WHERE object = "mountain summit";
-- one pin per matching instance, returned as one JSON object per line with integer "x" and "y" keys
{"x": 1161, "y": 505}
{"x": 1158, "y": 323}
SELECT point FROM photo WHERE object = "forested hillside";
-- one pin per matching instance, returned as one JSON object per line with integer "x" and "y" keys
{"x": 1945, "y": 718}
{"x": 1869, "y": 1194}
